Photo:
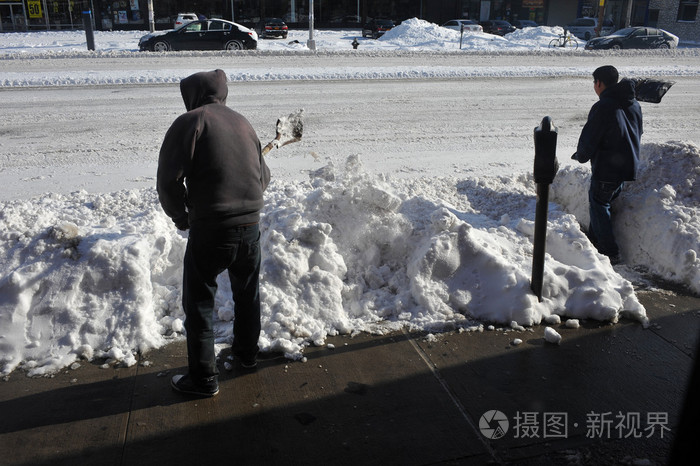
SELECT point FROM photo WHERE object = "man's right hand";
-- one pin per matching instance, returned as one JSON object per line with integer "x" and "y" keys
{"x": 182, "y": 223}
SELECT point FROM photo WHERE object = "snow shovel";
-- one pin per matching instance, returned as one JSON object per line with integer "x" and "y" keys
{"x": 651, "y": 90}
{"x": 289, "y": 130}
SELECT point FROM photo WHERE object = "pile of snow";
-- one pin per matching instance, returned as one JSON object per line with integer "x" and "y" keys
{"x": 418, "y": 34}
{"x": 99, "y": 275}
{"x": 539, "y": 36}
{"x": 657, "y": 219}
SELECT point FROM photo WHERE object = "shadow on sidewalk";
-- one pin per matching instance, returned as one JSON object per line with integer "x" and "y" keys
{"x": 607, "y": 393}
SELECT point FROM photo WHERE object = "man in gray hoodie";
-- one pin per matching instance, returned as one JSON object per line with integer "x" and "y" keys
{"x": 211, "y": 179}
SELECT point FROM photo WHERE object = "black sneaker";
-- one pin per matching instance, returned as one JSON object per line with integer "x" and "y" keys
{"x": 247, "y": 362}
{"x": 184, "y": 384}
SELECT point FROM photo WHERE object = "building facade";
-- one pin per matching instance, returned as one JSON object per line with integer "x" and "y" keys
{"x": 679, "y": 17}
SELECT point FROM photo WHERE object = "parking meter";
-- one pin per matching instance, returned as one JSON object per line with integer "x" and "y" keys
{"x": 546, "y": 167}
{"x": 546, "y": 164}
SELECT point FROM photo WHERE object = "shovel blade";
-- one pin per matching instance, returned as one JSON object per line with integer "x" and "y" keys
{"x": 651, "y": 90}
{"x": 290, "y": 128}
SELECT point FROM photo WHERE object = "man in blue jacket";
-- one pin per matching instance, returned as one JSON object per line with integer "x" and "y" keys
{"x": 610, "y": 139}
{"x": 211, "y": 179}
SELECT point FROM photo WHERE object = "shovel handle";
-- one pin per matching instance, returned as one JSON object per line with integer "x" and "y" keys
{"x": 270, "y": 145}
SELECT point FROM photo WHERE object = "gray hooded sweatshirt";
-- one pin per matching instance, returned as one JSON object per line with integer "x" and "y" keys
{"x": 210, "y": 167}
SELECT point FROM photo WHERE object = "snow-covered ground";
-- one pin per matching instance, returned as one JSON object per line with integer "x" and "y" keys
{"x": 409, "y": 202}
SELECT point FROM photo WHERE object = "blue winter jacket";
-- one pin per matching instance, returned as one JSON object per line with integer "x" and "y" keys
{"x": 610, "y": 139}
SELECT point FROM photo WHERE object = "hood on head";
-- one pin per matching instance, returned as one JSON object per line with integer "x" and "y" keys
{"x": 623, "y": 91}
{"x": 206, "y": 87}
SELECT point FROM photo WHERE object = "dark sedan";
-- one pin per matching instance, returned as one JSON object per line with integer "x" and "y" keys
{"x": 376, "y": 28}
{"x": 272, "y": 27}
{"x": 524, "y": 23}
{"x": 497, "y": 26}
{"x": 634, "y": 38}
{"x": 210, "y": 34}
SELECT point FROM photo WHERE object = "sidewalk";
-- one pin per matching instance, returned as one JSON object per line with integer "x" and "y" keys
{"x": 398, "y": 399}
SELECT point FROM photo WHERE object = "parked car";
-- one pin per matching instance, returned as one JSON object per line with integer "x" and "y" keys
{"x": 184, "y": 18}
{"x": 210, "y": 34}
{"x": 497, "y": 26}
{"x": 468, "y": 25}
{"x": 272, "y": 27}
{"x": 634, "y": 38}
{"x": 585, "y": 28}
{"x": 376, "y": 28}
{"x": 524, "y": 23}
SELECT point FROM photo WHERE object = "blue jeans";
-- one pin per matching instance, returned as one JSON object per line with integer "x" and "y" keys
{"x": 600, "y": 231}
{"x": 211, "y": 249}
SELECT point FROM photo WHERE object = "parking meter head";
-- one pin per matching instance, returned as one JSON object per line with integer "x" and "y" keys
{"x": 546, "y": 164}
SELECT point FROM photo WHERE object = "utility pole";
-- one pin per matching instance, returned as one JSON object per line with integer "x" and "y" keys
{"x": 601, "y": 15}
{"x": 311, "y": 43}
{"x": 628, "y": 15}
{"x": 151, "y": 20}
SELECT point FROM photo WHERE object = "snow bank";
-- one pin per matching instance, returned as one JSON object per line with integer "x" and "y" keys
{"x": 100, "y": 275}
{"x": 657, "y": 218}
{"x": 84, "y": 276}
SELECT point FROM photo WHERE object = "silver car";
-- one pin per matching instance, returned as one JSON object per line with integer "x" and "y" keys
{"x": 585, "y": 28}
{"x": 468, "y": 25}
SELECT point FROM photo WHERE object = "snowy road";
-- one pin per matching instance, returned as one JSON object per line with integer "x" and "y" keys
{"x": 106, "y": 137}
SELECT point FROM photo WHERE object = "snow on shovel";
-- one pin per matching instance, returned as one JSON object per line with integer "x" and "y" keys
{"x": 289, "y": 130}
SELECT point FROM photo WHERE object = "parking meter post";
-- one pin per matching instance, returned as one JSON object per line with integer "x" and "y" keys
{"x": 461, "y": 35}
{"x": 89, "y": 33}
{"x": 546, "y": 167}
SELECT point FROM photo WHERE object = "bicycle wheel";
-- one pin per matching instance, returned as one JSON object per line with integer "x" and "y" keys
{"x": 571, "y": 43}
{"x": 554, "y": 43}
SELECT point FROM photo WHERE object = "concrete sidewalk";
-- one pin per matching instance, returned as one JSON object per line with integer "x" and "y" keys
{"x": 609, "y": 394}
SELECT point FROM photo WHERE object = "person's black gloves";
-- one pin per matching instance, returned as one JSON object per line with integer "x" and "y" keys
{"x": 182, "y": 223}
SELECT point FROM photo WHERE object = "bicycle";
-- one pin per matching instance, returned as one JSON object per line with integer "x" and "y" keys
{"x": 565, "y": 40}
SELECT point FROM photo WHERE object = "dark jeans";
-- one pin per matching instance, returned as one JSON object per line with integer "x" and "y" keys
{"x": 210, "y": 250}
{"x": 600, "y": 196}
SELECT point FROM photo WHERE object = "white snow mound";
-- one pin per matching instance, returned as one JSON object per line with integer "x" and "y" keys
{"x": 99, "y": 275}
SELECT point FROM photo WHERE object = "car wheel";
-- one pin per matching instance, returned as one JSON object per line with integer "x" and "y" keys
{"x": 616, "y": 47}
{"x": 664, "y": 45}
{"x": 234, "y": 45}
{"x": 587, "y": 36}
{"x": 161, "y": 46}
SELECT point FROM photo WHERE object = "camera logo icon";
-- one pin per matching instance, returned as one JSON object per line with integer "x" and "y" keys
{"x": 493, "y": 424}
